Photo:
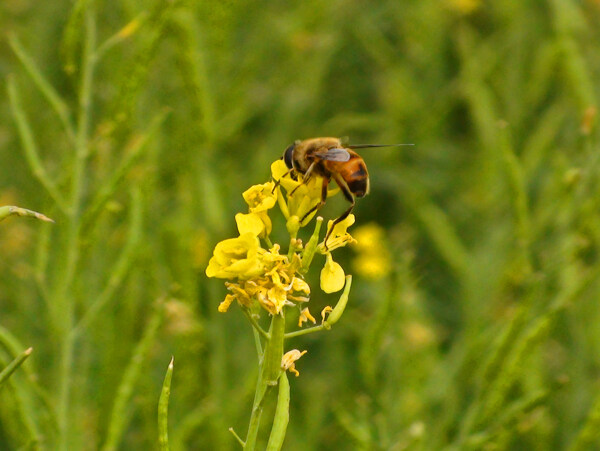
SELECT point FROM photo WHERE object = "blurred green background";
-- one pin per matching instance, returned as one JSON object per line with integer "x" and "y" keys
{"x": 481, "y": 332}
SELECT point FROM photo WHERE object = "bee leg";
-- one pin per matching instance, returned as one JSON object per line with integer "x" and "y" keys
{"x": 306, "y": 176}
{"x": 321, "y": 202}
{"x": 349, "y": 197}
{"x": 278, "y": 182}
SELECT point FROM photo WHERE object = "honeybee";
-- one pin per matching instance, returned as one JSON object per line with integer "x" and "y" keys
{"x": 330, "y": 159}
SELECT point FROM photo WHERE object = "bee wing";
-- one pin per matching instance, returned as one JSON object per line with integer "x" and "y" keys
{"x": 334, "y": 155}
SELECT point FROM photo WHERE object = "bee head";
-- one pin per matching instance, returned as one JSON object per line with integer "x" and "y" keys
{"x": 288, "y": 156}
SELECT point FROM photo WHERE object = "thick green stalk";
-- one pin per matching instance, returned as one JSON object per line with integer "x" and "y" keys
{"x": 282, "y": 415}
{"x": 270, "y": 369}
{"x": 274, "y": 350}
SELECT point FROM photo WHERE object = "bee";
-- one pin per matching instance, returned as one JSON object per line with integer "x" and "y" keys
{"x": 330, "y": 159}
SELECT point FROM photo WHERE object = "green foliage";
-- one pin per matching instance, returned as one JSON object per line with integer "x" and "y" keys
{"x": 136, "y": 126}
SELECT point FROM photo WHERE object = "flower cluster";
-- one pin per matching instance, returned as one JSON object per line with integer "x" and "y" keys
{"x": 263, "y": 276}
{"x": 275, "y": 286}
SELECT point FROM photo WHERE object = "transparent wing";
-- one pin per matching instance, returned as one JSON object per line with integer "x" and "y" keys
{"x": 334, "y": 155}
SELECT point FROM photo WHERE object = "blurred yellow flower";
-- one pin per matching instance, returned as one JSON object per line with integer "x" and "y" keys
{"x": 464, "y": 6}
{"x": 419, "y": 335}
{"x": 373, "y": 260}
{"x": 372, "y": 266}
{"x": 288, "y": 361}
{"x": 199, "y": 249}
{"x": 332, "y": 276}
{"x": 369, "y": 236}
{"x": 180, "y": 318}
{"x": 236, "y": 258}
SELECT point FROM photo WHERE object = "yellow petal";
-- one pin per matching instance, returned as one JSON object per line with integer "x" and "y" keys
{"x": 278, "y": 169}
{"x": 236, "y": 257}
{"x": 224, "y": 306}
{"x": 300, "y": 285}
{"x": 325, "y": 312}
{"x": 305, "y": 317}
{"x": 332, "y": 276}
{"x": 264, "y": 217}
{"x": 249, "y": 223}
{"x": 288, "y": 361}
{"x": 339, "y": 236}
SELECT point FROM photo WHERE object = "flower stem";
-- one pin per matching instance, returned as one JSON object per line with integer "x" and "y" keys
{"x": 270, "y": 369}
{"x": 274, "y": 349}
{"x": 282, "y": 415}
{"x": 301, "y": 332}
{"x": 256, "y": 326}
{"x": 65, "y": 295}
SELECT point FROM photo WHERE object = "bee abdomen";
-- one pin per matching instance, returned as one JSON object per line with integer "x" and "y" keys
{"x": 359, "y": 188}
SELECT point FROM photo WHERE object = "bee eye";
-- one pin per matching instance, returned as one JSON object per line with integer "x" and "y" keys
{"x": 287, "y": 156}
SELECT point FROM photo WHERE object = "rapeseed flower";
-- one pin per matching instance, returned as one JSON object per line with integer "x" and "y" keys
{"x": 261, "y": 278}
{"x": 236, "y": 258}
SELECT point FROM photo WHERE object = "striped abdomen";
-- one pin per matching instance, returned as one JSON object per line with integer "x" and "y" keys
{"x": 354, "y": 172}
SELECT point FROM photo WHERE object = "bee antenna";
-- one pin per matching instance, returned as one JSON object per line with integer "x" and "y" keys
{"x": 365, "y": 146}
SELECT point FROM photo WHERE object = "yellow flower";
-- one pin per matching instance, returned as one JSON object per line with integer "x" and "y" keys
{"x": 288, "y": 361}
{"x": 300, "y": 285}
{"x": 274, "y": 300}
{"x": 236, "y": 258}
{"x": 245, "y": 292}
{"x": 332, "y": 276}
{"x": 339, "y": 236}
{"x": 274, "y": 287}
{"x": 260, "y": 197}
{"x": 305, "y": 317}
{"x": 370, "y": 236}
{"x": 372, "y": 266}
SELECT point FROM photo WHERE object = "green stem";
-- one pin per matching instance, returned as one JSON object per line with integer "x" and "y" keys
{"x": 282, "y": 415}
{"x": 64, "y": 296}
{"x": 270, "y": 370}
{"x": 255, "y": 324}
{"x": 163, "y": 410}
{"x": 311, "y": 246}
{"x": 12, "y": 366}
{"x": 274, "y": 350}
{"x": 11, "y": 210}
{"x": 301, "y": 332}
